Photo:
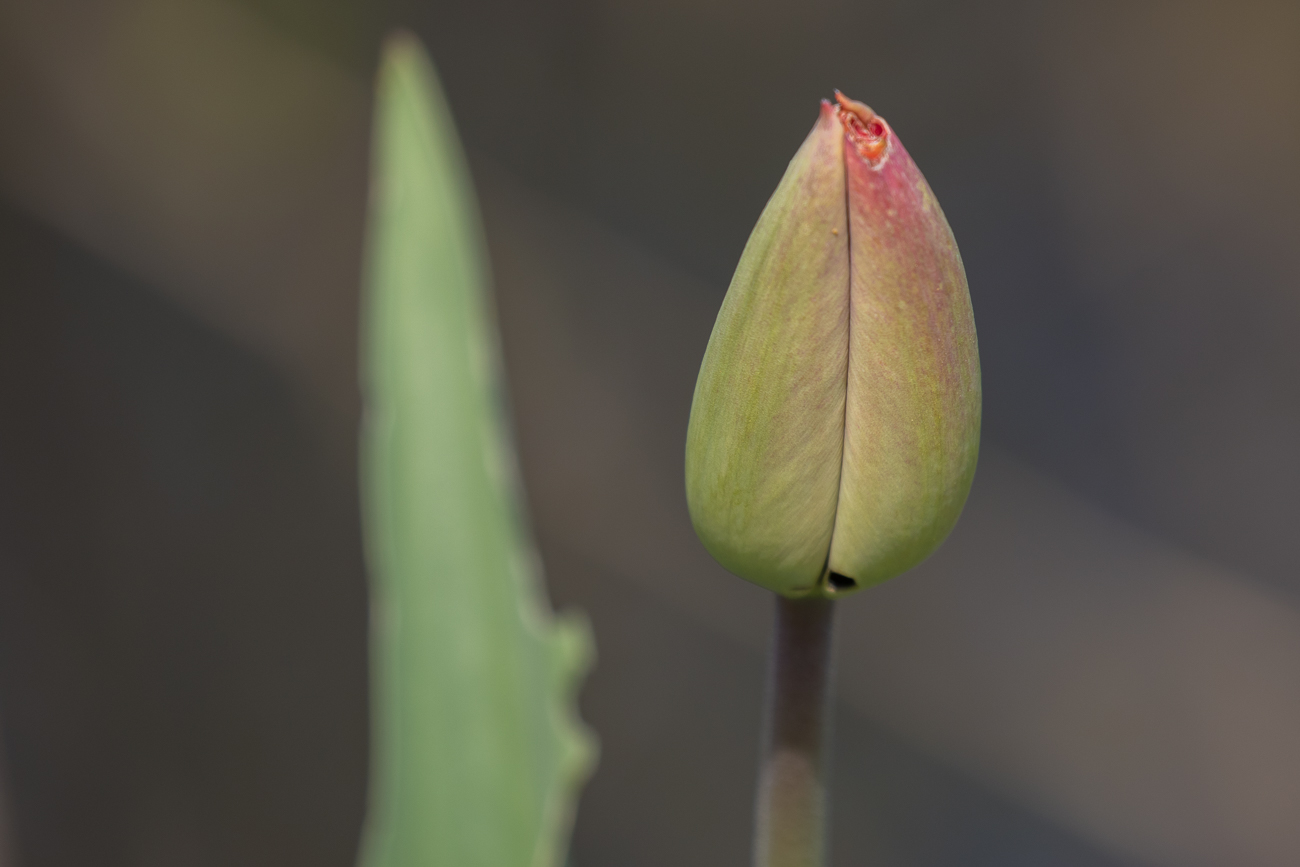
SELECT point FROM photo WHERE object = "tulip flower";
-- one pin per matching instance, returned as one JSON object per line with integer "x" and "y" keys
{"x": 835, "y": 425}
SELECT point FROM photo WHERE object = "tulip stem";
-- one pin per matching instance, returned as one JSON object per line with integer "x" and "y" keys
{"x": 790, "y": 825}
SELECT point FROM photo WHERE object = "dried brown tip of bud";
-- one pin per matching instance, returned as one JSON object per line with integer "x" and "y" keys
{"x": 865, "y": 129}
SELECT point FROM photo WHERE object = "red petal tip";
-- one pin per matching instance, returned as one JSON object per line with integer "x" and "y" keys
{"x": 867, "y": 130}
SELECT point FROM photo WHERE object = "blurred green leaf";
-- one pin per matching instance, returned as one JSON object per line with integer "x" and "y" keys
{"x": 478, "y": 751}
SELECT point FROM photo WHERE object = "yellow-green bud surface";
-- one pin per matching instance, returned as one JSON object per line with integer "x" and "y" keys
{"x": 835, "y": 425}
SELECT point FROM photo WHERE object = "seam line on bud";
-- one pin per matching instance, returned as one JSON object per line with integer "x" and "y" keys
{"x": 824, "y": 583}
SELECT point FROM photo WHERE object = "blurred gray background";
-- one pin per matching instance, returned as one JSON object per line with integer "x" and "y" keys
{"x": 1101, "y": 666}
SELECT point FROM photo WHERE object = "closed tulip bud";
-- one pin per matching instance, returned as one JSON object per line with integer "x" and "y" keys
{"x": 835, "y": 425}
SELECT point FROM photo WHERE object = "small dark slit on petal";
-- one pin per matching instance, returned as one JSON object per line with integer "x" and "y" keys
{"x": 841, "y": 582}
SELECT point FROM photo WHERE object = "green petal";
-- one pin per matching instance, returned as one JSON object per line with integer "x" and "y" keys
{"x": 767, "y": 422}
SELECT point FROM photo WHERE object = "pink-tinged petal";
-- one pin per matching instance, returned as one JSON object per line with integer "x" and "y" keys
{"x": 913, "y": 403}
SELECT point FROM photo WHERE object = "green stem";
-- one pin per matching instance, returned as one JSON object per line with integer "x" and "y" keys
{"x": 790, "y": 827}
